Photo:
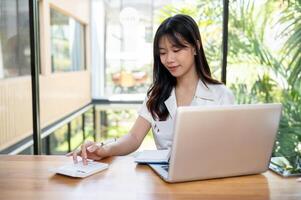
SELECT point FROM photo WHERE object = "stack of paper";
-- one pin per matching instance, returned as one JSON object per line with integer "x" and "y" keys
{"x": 153, "y": 156}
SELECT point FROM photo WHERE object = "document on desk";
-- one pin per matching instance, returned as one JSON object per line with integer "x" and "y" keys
{"x": 153, "y": 156}
{"x": 79, "y": 170}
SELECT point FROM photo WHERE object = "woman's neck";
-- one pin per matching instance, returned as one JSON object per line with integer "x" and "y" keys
{"x": 185, "y": 89}
{"x": 187, "y": 82}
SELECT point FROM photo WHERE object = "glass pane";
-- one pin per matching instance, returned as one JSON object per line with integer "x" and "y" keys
{"x": 130, "y": 30}
{"x": 14, "y": 38}
{"x": 76, "y": 132}
{"x": 15, "y": 93}
{"x": 59, "y": 141}
{"x": 67, "y": 43}
{"x": 264, "y": 65}
{"x": 89, "y": 125}
{"x": 129, "y": 46}
{"x": 116, "y": 122}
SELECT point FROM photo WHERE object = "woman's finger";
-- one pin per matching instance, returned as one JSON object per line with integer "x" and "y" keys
{"x": 79, "y": 152}
{"x": 84, "y": 153}
{"x": 84, "y": 147}
{"x": 74, "y": 155}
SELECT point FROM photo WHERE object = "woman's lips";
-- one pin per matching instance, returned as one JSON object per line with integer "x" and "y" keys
{"x": 172, "y": 68}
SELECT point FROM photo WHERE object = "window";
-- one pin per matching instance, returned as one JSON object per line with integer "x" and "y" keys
{"x": 130, "y": 27}
{"x": 264, "y": 66}
{"x": 14, "y": 38}
{"x": 128, "y": 47}
{"x": 15, "y": 74}
{"x": 116, "y": 121}
{"x": 89, "y": 125}
{"x": 76, "y": 132}
{"x": 59, "y": 141}
{"x": 67, "y": 43}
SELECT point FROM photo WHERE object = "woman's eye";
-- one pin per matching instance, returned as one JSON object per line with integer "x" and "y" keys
{"x": 162, "y": 53}
{"x": 176, "y": 50}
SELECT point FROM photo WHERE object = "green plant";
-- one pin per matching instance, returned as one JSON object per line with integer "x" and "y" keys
{"x": 248, "y": 44}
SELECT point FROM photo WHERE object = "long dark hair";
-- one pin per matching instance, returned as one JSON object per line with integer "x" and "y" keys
{"x": 176, "y": 28}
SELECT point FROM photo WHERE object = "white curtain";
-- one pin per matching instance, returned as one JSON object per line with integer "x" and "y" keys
{"x": 76, "y": 47}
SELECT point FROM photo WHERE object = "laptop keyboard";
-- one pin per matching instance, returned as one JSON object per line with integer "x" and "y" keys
{"x": 165, "y": 167}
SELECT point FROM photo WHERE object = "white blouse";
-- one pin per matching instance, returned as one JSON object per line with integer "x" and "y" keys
{"x": 162, "y": 130}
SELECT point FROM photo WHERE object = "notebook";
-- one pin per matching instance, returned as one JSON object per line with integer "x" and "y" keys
{"x": 153, "y": 156}
{"x": 281, "y": 166}
{"x": 79, "y": 170}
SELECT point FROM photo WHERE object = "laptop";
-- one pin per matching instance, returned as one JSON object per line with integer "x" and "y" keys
{"x": 221, "y": 141}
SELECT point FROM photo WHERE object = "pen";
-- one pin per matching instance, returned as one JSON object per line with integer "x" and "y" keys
{"x": 93, "y": 147}
{"x": 108, "y": 141}
{"x": 97, "y": 145}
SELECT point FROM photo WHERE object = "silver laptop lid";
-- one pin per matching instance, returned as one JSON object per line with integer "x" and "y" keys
{"x": 222, "y": 141}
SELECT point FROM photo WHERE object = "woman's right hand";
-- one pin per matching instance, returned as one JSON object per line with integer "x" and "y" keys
{"x": 89, "y": 150}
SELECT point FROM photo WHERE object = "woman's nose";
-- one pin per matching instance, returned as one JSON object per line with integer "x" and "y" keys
{"x": 170, "y": 57}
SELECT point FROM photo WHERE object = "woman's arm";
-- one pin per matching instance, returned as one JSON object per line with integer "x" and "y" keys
{"x": 124, "y": 145}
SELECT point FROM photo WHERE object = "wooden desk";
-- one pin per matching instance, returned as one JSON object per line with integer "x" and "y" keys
{"x": 27, "y": 177}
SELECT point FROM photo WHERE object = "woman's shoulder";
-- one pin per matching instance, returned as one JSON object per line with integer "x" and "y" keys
{"x": 144, "y": 112}
{"x": 222, "y": 91}
{"x": 219, "y": 88}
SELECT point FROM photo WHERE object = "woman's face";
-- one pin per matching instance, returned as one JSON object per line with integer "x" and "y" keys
{"x": 178, "y": 60}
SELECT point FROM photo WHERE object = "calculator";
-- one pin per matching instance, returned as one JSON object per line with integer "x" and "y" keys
{"x": 79, "y": 170}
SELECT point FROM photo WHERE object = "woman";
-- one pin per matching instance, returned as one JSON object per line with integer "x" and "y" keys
{"x": 181, "y": 77}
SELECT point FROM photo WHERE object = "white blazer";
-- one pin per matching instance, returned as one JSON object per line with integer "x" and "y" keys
{"x": 162, "y": 130}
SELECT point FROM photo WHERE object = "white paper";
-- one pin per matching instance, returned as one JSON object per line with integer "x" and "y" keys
{"x": 153, "y": 156}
